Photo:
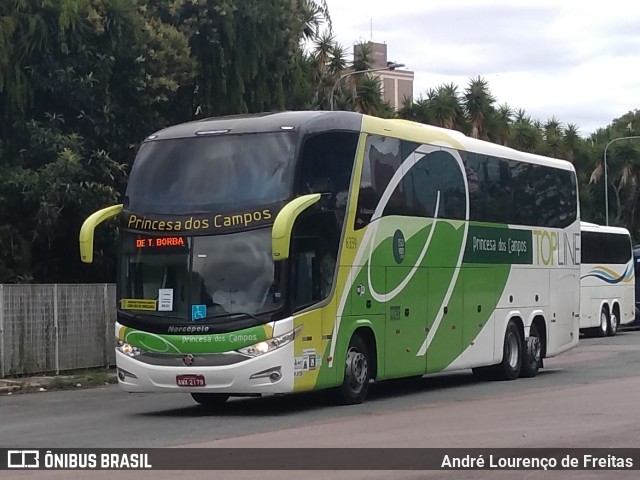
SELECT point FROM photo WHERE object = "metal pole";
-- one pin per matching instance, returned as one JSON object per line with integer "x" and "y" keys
{"x": 56, "y": 329}
{"x": 108, "y": 331}
{"x": 335, "y": 85}
{"x": 2, "y": 368}
{"x": 606, "y": 178}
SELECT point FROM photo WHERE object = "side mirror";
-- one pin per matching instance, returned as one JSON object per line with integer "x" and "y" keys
{"x": 283, "y": 224}
{"x": 89, "y": 226}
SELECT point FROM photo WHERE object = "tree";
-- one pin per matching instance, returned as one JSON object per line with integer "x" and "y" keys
{"x": 83, "y": 83}
{"x": 246, "y": 50}
{"x": 526, "y": 134}
{"x": 368, "y": 98}
{"x": 623, "y": 170}
{"x": 447, "y": 107}
{"x": 478, "y": 105}
{"x": 500, "y": 124}
{"x": 571, "y": 139}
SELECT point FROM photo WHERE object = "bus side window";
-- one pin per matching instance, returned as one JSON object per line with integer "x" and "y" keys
{"x": 382, "y": 159}
{"x": 307, "y": 282}
{"x": 326, "y": 165}
{"x": 314, "y": 259}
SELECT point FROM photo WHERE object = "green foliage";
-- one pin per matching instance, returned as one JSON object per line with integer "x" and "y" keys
{"x": 82, "y": 82}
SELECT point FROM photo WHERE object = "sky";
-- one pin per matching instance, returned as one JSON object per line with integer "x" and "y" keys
{"x": 576, "y": 60}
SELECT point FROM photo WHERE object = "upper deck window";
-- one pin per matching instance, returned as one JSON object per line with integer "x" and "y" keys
{"x": 222, "y": 172}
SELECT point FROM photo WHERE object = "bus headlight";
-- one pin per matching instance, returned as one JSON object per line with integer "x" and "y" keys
{"x": 128, "y": 349}
{"x": 270, "y": 345}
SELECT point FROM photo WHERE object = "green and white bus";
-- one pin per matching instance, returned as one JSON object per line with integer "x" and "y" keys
{"x": 295, "y": 251}
{"x": 607, "y": 280}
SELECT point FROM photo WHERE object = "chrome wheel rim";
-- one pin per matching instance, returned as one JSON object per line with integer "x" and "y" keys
{"x": 512, "y": 351}
{"x": 614, "y": 323}
{"x": 357, "y": 370}
{"x": 535, "y": 348}
{"x": 603, "y": 321}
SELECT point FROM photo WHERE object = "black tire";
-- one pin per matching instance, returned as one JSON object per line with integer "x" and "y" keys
{"x": 532, "y": 359}
{"x": 614, "y": 323}
{"x": 210, "y": 399}
{"x": 357, "y": 373}
{"x": 484, "y": 373}
{"x": 603, "y": 329}
{"x": 509, "y": 368}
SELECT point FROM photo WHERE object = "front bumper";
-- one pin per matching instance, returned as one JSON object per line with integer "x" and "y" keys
{"x": 252, "y": 376}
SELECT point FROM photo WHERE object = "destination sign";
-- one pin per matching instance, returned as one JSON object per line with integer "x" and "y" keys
{"x": 160, "y": 242}
{"x": 201, "y": 224}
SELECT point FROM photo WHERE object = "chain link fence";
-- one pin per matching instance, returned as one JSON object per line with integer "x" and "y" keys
{"x": 53, "y": 328}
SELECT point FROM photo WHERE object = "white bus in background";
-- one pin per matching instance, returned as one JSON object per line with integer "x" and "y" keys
{"x": 607, "y": 291}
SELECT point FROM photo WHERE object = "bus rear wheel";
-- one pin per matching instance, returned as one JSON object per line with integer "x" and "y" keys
{"x": 509, "y": 368}
{"x": 210, "y": 399}
{"x": 357, "y": 373}
{"x": 532, "y": 355}
{"x": 613, "y": 323}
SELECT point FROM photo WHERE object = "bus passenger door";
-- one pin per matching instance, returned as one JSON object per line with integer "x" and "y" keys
{"x": 479, "y": 303}
{"x": 564, "y": 324}
{"x": 405, "y": 321}
{"x": 445, "y": 317}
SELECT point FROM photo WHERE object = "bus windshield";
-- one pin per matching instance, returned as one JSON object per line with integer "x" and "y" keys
{"x": 199, "y": 278}
{"x": 221, "y": 172}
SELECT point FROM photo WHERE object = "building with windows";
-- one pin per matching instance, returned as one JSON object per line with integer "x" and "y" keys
{"x": 396, "y": 84}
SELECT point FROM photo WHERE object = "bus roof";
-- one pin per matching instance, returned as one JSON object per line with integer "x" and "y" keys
{"x": 308, "y": 121}
{"x": 319, "y": 120}
{"x": 423, "y": 133}
{"x": 593, "y": 227}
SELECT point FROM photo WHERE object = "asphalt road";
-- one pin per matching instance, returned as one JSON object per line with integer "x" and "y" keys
{"x": 587, "y": 397}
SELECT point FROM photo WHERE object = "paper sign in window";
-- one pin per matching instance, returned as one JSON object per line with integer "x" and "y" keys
{"x": 165, "y": 300}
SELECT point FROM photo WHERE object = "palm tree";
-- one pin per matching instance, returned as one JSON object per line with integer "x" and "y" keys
{"x": 311, "y": 16}
{"x": 408, "y": 109}
{"x": 322, "y": 56}
{"x": 502, "y": 120}
{"x": 368, "y": 97}
{"x": 478, "y": 104}
{"x": 337, "y": 60}
{"x": 521, "y": 115}
{"x": 553, "y": 132}
{"x": 447, "y": 107}
{"x": 623, "y": 164}
{"x": 323, "y": 45}
{"x": 571, "y": 140}
{"x": 362, "y": 60}
{"x": 301, "y": 87}
{"x": 553, "y": 126}
{"x": 362, "y": 57}
{"x": 526, "y": 134}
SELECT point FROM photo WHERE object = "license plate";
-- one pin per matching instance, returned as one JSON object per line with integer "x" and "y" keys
{"x": 190, "y": 380}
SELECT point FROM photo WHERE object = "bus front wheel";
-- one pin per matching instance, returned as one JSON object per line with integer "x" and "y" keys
{"x": 210, "y": 399}
{"x": 357, "y": 373}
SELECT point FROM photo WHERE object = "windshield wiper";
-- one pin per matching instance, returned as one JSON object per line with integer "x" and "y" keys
{"x": 149, "y": 316}
{"x": 230, "y": 314}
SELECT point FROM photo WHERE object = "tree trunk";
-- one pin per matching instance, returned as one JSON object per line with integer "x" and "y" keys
{"x": 618, "y": 205}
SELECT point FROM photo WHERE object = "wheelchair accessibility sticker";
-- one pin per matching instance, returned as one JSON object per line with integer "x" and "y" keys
{"x": 198, "y": 312}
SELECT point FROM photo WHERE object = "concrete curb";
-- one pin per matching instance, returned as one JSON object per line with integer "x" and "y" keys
{"x": 9, "y": 386}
